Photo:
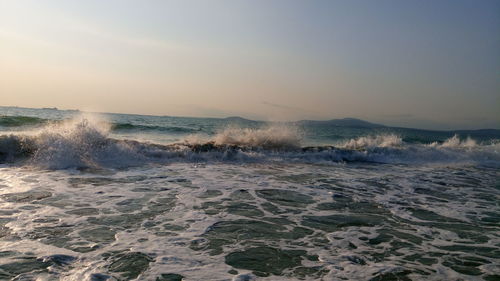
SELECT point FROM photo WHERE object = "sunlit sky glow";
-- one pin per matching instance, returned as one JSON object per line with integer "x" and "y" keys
{"x": 421, "y": 63}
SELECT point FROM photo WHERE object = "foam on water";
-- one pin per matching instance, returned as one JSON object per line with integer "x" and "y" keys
{"x": 82, "y": 198}
{"x": 354, "y": 222}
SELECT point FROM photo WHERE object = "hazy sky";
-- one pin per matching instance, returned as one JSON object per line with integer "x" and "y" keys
{"x": 429, "y": 64}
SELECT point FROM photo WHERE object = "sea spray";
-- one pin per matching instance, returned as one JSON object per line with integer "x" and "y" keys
{"x": 390, "y": 140}
{"x": 71, "y": 143}
{"x": 157, "y": 207}
{"x": 456, "y": 142}
{"x": 86, "y": 142}
{"x": 82, "y": 142}
{"x": 269, "y": 137}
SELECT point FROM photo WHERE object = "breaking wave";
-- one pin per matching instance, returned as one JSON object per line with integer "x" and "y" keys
{"x": 27, "y": 121}
{"x": 456, "y": 142}
{"x": 84, "y": 142}
{"x": 278, "y": 137}
{"x": 390, "y": 140}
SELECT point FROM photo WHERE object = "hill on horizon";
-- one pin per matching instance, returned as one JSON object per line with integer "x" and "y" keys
{"x": 343, "y": 122}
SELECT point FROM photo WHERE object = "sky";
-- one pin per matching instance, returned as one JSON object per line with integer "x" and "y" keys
{"x": 415, "y": 63}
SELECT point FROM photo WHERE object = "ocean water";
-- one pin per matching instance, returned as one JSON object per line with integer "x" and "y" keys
{"x": 130, "y": 197}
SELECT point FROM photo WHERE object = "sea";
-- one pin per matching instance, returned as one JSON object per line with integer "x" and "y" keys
{"x": 102, "y": 196}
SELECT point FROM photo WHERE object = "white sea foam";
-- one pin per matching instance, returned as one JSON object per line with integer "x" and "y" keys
{"x": 85, "y": 142}
{"x": 394, "y": 188}
{"x": 456, "y": 142}
{"x": 390, "y": 140}
{"x": 80, "y": 142}
{"x": 270, "y": 137}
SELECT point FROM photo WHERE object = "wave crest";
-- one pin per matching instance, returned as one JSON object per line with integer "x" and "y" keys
{"x": 373, "y": 141}
{"x": 272, "y": 137}
{"x": 456, "y": 142}
{"x": 85, "y": 143}
{"x": 82, "y": 142}
{"x": 70, "y": 143}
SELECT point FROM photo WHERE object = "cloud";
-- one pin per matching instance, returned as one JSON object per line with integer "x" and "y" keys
{"x": 399, "y": 116}
{"x": 285, "y": 107}
{"x": 114, "y": 36}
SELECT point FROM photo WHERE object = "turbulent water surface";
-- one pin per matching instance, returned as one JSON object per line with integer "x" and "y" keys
{"x": 130, "y": 197}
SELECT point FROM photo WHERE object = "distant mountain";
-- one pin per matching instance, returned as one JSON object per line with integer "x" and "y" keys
{"x": 344, "y": 122}
{"x": 489, "y": 133}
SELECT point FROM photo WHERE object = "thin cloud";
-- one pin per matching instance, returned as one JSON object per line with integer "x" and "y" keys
{"x": 401, "y": 116}
{"x": 282, "y": 106}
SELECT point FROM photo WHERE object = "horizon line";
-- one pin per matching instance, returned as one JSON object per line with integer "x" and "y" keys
{"x": 248, "y": 119}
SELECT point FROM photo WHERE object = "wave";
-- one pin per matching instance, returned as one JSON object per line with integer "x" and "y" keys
{"x": 17, "y": 121}
{"x": 277, "y": 137}
{"x": 21, "y": 121}
{"x": 85, "y": 143}
{"x": 171, "y": 129}
{"x": 390, "y": 140}
{"x": 456, "y": 142}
